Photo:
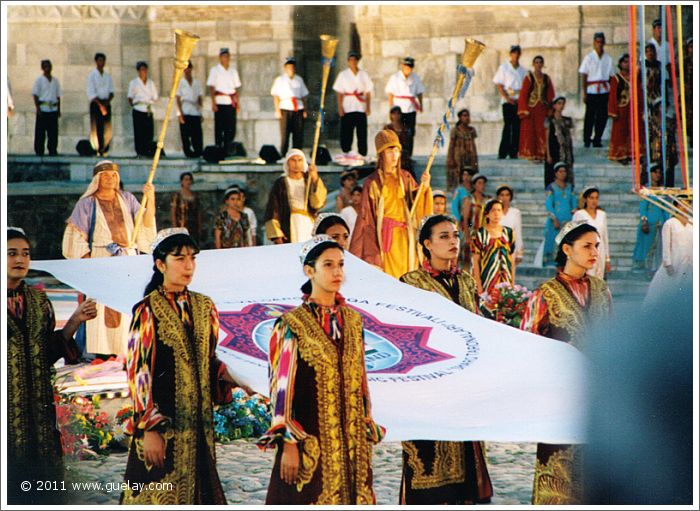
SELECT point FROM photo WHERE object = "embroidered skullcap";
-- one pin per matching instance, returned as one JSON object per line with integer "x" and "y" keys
{"x": 140, "y": 64}
{"x": 224, "y": 51}
{"x": 568, "y": 228}
{"x": 505, "y": 187}
{"x": 17, "y": 229}
{"x": 558, "y": 98}
{"x": 321, "y": 217}
{"x": 559, "y": 165}
{"x": 164, "y": 234}
{"x": 290, "y": 60}
{"x": 354, "y": 53}
{"x": 599, "y": 35}
{"x": 409, "y": 61}
{"x": 514, "y": 48}
{"x": 478, "y": 176}
{"x": 385, "y": 139}
{"x": 654, "y": 167}
{"x": 314, "y": 242}
{"x": 293, "y": 152}
{"x": 104, "y": 165}
{"x": 439, "y": 193}
{"x": 656, "y": 23}
{"x": 622, "y": 57}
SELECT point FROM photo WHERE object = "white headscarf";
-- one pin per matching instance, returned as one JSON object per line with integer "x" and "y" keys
{"x": 95, "y": 183}
{"x": 294, "y": 152}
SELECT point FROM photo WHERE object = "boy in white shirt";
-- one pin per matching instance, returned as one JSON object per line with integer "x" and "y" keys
{"x": 142, "y": 96}
{"x": 596, "y": 70}
{"x": 509, "y": 80}
{"x": 189, "y": 106}
{"x": 222, "y": 82}
{"x": 405, "y": 90}
{"x": 100, "y": 91}
{"x": 353, "y": 87}
{"x": 289, "y": 91}
{"x": 47, "y": 99}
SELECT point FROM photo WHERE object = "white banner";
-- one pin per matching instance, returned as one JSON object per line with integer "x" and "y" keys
{"x": 436, "y": 371}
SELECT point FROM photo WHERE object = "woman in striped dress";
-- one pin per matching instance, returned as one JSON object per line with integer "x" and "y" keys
{"x": 493, "y": 246}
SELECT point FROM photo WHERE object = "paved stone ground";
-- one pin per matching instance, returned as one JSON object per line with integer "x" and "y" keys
{"x": 245, "y": 470}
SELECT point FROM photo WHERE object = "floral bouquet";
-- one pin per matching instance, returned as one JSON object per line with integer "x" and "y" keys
{"x": 505, "y": 303}
{"x": 245, "y": 417}
{"x": 85, "y": 431}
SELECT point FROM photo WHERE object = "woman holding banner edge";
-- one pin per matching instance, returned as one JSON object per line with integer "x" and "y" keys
{"x": 459, "y": 474}
{"x": 564, "y": 308}
{"x": 322, "y": 418}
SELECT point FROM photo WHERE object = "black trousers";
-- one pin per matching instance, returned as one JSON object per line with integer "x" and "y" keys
{"x": 292, "y": 123}
{"x": 46, "y": 127}
{"x": 596, "y": 116}
{"x": 510, "y": 137}
{"x": 409, "y": 121}
{"x": 143, "y": 133}
{"x": 225, "y": 127}
{"x": 100, "y": 128}
{"x": 191, "y": 136}
{"x": 354, "y": 121}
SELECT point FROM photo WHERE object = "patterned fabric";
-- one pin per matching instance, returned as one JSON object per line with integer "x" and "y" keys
{"x": 320, "y": 399}
{"x": 461, "y": 153}
{"x": 175, "y": 379}
{"x": 142, "y": 354}
{"x": 33, "y": 441}
{"x": 495, "y": 257}
{"x": 15, "y": 303}
{"x": 436, "y": 472}
{"x": 186, "y": 213}
{"x": 234, "y": 233}
{"x": 563, "y": 308}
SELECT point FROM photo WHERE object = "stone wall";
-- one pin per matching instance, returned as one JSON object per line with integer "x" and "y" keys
{"x": 259, "y": 38}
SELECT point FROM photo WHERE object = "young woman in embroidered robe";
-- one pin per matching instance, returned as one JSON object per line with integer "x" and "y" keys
{"x": 564, "y": 308}
{"x": 322, "y": 422}
{"x": 33, "y": 346}
{"x": 437, "y": 472}
{"x": 174, "y": 380}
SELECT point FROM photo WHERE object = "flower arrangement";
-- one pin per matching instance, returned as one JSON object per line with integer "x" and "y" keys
{"x": 85, "y": 431}
{"x": 505, "y": 303}
{"x": 245, "y": 417}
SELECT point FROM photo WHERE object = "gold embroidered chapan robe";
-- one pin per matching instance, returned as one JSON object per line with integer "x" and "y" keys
{"x": 33, "y": 440}
{"x": 320, "y": 400}
{"x": 384, "y": 234}
{"x": 563, "y": 308}
{"x": 174, "y": 380}
{"x": 439, "y": 472}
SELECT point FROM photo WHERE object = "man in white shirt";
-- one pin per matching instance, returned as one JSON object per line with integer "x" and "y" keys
{"x": 353, "y": 87}
{"x": 100, "y": 91}
{"x": 509, "y": 81}
{"x": 189, "y": 107}
{"x": 142, "y": 96}
{"x": 222, "y": 82}
{"x": 405, "y": 90}
{"x": 47, "y": 100}
{"x": 289, "y": 91}
{"x": 596, "y": 70}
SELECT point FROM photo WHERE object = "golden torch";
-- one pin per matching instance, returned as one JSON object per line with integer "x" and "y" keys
{"x": 328, "y": 45}
{"x": 184, "y": 44}
{"x": 472, "y": 50}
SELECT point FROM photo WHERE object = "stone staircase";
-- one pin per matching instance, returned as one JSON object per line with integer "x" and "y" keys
{"x": 591, "y": 168}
